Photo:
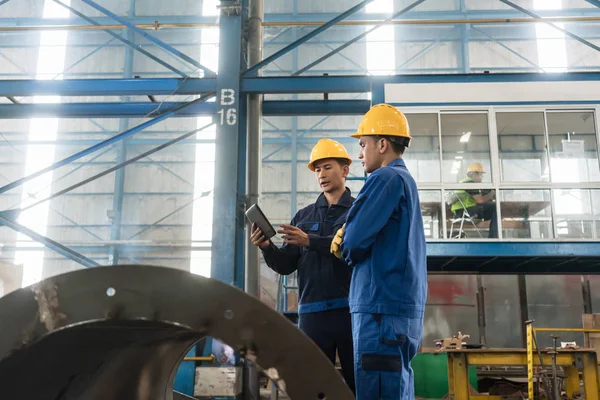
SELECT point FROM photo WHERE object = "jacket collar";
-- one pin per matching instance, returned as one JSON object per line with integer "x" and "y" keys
{"x": 345, "y": 200}
{"x": 398, "y": 162}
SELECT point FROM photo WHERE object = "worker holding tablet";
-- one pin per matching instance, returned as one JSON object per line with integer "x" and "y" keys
{"x": 323, "y": 280}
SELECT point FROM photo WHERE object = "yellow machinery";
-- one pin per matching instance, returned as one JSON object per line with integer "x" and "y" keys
{"x": 572, "y": 361}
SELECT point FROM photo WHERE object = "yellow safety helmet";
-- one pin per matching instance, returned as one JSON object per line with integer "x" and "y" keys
{"x": 384, "y": 120}
{"x": 476, "y": 167}
{"x": 327, "y": 148}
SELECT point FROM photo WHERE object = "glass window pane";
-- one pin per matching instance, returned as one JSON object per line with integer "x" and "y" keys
{"x": 471, "y": 213}
{"x": 577, "y": 213}
{"x": 522, "y": 147}
{"x": 423, "y": 156}
{"x": 573, "y": 147}
{"x": 465, "y": 140}
{"x": 431, "y": 209}
{"x": 526, "y": 214}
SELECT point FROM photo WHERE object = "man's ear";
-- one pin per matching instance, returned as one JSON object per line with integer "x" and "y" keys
{"x": 346, "y": 171}
{"x": 382, "y": 145}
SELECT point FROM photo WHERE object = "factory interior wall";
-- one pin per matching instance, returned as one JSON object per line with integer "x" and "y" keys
{"x": 169, "y": 181}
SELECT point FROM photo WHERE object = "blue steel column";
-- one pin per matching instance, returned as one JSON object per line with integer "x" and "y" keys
{"x": 465, "y": 33}
{"x": 117, "y": 208}
{"x": 227, "y": 243}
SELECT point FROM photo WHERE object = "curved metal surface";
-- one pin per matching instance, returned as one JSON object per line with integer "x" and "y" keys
{"x": 119, "y": 333}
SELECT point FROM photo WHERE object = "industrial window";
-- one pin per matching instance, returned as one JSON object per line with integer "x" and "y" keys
{"x": 526, "y": 214}
{"x": 573, "y": 147}
{"x": 424, "y": 160}
{"x": 465, "y": 140}
{"x": 522, "y": 147}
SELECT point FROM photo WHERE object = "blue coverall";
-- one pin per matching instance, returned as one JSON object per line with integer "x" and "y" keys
{"x": 323, "y": 280}
{"x": 384, "y": 243}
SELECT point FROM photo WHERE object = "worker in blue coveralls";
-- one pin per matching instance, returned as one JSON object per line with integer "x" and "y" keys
{"x": 323, "y": 280}
{"x": 384, "y": 242}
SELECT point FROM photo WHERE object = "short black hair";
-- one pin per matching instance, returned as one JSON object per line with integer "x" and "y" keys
{"x": 342, "y": 161}
{"x": 399, "y": 144}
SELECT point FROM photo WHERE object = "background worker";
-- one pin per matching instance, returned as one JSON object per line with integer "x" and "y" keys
{"x": 479, "y": 203}
{"x": 384, "y": 242}
{"x": 323, "y": 280}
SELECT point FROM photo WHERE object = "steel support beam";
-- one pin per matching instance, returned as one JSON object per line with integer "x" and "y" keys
{"x": 228, "y": 212}
{"x": 49, "y": 243}
{"x": 357, "y": 38}
{"x": 158, "y": 42}
{"x": 540, "y": 19}
{"x": 265, "y": 85}
{"x": 465, "y": 37}
{"x": 516, "y": 53}
{"x": 128, "y": 41}
{"x": 119, "y": 185}
{"x": 594, "y": 2}
{"x": 107, "y": 142}
{"x": 118, "y": 167}
{"x": 256, "y": 67}
{"x": 138, "y": 110}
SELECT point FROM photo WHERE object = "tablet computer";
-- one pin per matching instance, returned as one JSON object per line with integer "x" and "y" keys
{"x": 256, "y": 216}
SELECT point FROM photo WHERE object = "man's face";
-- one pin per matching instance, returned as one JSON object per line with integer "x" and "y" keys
{"x": 476, "y": 176}
{"x": 369, "y": 153}
{"x": 330, "y": 174}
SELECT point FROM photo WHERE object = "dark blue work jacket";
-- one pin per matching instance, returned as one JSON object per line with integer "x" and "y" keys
{"x": 323, "y": 280}
{"x": 384, "y": 242}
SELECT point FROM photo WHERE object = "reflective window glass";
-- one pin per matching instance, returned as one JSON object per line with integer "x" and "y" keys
{"x": 522, "y": 147}
{"x": 431, "y": 210}
{"x": 577, "y": 213}
{"x": 465, "y": 146}
{"x": 526, "y": 214}
{"x": 423, "y": 156}
{"x": 573, "y": 147}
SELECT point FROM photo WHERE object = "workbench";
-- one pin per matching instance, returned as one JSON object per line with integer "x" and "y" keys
{"x": 573, "y": 361}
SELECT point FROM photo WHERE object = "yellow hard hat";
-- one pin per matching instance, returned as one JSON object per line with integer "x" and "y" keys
{"x": 476, "y": 167}
{"x": 327, "y": 148}
{"x": 384, "y": 120}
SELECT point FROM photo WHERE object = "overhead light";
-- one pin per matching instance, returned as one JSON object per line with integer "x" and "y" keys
{"x": 458, "y": 157}
{"x": 465, "y": 137}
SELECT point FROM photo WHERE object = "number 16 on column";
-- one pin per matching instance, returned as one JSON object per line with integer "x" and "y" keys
{"x": 228, "y": 111}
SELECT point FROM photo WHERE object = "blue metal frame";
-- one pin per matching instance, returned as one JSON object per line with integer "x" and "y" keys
{"x": 127, "y": 41}
{"x": 228, "y": 239}
{"x": 311, "y": 17}
{"x": 107, "y": 142}
{"x": 534, "y": 15}
{"x": 49, "y": 243}
{"x": 119, "y": 185}
{"x": 184, "y": 110}
{"x": 264, "y": 85}
{"x": 255, "y": 68}
{"x": 357, "y": 38}
{"x": 151, "y": 38}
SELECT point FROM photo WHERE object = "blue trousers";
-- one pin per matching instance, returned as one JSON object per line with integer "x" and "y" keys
{"x": 384, "y": 345}
{"x": 332, "y": 331}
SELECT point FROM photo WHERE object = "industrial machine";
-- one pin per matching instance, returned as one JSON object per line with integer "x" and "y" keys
{"x": 119, "y": 333}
